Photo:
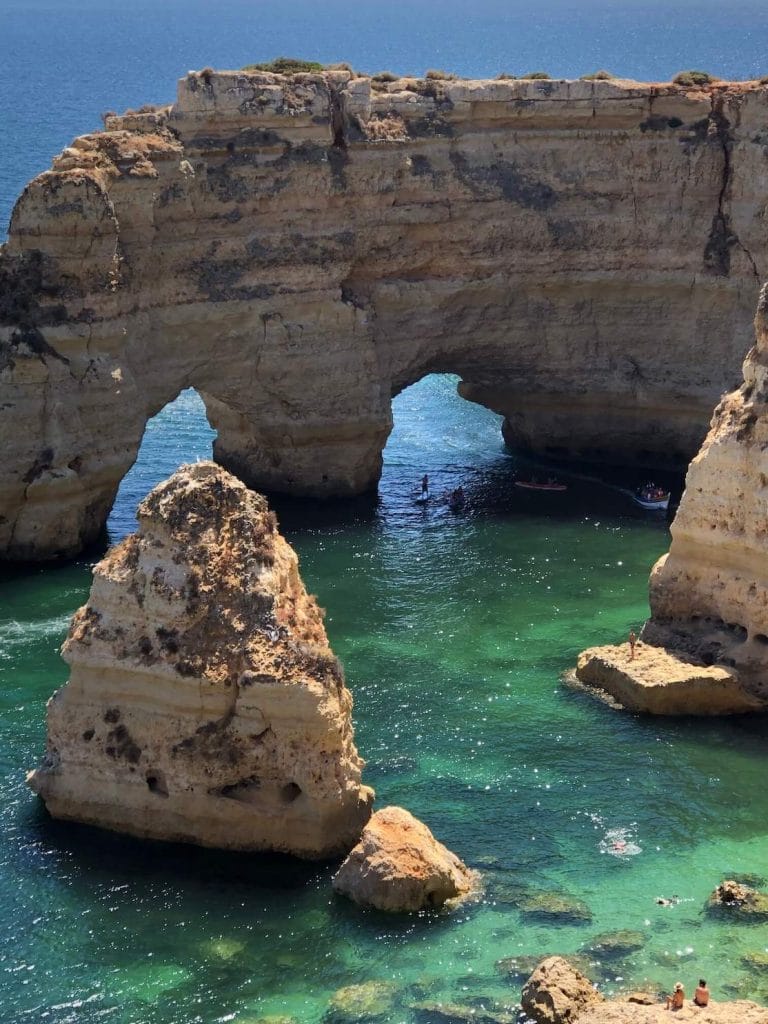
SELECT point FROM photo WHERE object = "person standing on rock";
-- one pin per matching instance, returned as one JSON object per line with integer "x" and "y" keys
{"x": 632, "y": 642}
{"x": 425, "y": 486}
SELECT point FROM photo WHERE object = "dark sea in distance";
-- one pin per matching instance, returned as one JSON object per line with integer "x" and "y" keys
{"x": 454, "y": 629}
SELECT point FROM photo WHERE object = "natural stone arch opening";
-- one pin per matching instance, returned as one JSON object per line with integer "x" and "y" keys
{"x": 298, "y": 248}
{"x": 179, "y": 432}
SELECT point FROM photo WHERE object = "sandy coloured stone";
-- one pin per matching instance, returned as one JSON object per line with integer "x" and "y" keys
{"x": 204, "y": 704}
{"x": 399, "y": 866}
{"x": 585, "y": 255}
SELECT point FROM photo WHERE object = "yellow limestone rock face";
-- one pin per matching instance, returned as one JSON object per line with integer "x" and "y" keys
{"x": 584, "y": 255}
{"x": 204, "y": 703}
{"x": 399, "y": 866}
{"x": 706, "y": 644}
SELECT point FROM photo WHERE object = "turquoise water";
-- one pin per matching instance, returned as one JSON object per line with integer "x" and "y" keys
{"x": 454, "y": 630}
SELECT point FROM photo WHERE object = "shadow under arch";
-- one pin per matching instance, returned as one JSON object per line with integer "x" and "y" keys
{"x": 180, "y": 432}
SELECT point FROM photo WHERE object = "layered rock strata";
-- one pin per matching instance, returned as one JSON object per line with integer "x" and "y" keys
{"x": 585, "y": 255}
{"x": 399, "y": 866}
{"x": 204, "y": 704}
{"x": 709, "y": 594}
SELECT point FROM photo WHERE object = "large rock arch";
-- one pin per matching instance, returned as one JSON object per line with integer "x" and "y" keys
{"x": 585, "y": 254}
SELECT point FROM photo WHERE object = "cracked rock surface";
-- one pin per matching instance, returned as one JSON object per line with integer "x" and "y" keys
{"x": 204, "y": 703}
{"x": 585, "y": 256}
{"x": 705, "y": 647}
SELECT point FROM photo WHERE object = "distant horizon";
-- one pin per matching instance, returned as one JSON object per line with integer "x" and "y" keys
{"x": 62, "y": 70}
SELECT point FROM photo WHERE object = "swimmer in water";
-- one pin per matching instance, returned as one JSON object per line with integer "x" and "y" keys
{"x": 619, "y": 844}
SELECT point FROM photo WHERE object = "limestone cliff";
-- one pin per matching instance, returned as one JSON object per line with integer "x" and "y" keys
{"x": 300, "y": 248}
{"x": 204, "y": 704}
{"x": 709, "y": 594}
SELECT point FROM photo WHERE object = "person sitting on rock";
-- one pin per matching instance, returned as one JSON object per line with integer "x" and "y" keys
{"x": 677, "y": 999}
{"x": 701, "y": 995}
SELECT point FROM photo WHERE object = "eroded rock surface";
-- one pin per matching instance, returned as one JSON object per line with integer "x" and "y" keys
{"x": 399, "y": 866}
{"x": 709, "y": 594}
{"x": 556, "y": 993}
{"x": 204, "y": 704}
{"x": 585, "y": 255}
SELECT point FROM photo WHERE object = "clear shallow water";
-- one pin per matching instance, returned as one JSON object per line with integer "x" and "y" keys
{"x": 454, "y": 630}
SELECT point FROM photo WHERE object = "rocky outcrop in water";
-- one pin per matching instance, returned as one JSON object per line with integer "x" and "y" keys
{"x": 709, "y": 594}
{"x": 556, "y": 993}
{"x": 399, "y": 866}
{"x": 204, "y": 704}
{"x": 585, "y": 255}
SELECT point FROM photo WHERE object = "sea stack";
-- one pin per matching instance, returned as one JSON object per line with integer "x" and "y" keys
{"x": 204, "y": 703}
{"x": 705, "y": 648}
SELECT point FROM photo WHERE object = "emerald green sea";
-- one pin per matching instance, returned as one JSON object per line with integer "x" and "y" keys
{"x": 454, "y": 629}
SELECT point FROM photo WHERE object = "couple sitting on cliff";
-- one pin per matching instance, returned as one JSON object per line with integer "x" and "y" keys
{"x": 677, "y": 999}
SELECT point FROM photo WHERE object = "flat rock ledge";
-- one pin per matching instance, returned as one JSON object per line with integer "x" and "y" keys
{"x": 557, "y": 993}
{"x": 399, "y": 866}
{"x": 660, "y": 681}
{"x": 204, "y": 703}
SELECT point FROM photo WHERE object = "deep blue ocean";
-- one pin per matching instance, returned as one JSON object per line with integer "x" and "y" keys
{"x": 454, "y": 629}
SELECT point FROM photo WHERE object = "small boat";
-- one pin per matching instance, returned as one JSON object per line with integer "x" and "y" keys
{"x": 652, "y": 497}
{"x": 547, "y": 485}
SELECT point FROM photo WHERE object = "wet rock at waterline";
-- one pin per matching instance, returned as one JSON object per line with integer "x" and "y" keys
{"x": 557, "y": 993}
{"x": 663, "y": 682}
{"x": 204, "y": 703}
{"x": 735, "y": 900}
{"x": 705, "y": 647}
{"x": 399, "y": 866}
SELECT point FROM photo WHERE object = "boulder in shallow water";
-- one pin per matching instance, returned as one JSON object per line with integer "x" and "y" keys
{"x": 484, "y": 1012}
{"x": 399, "y": 866}
{"x": 556, "y": 992}
{"x": 204, "y": 703}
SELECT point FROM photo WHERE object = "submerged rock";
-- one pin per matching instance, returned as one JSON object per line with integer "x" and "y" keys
{"x": 556, "y": 992}
{"x": 615, "y": 945}
{"x": 463, "y": 1013}
{"x": 554, "y": 908}
{"x": 357, "y": 1004}
{"x": 398, "y": 865}
{"x": 204, "y": 703}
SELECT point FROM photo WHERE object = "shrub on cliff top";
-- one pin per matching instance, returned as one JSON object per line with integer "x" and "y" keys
{"x": 506, "y": 77}
{"x": 537, "y": 74}
{"x": 435, "y": 75}
{"x": 598, "y": 76}
{"x": 384, "y": 76}
{"x": 763, "y": 80}
{"x": 285, "y": 66}
{"x": 688, "y": 78}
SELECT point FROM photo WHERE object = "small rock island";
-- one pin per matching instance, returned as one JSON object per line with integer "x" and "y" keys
{"x": 204, "y": 703}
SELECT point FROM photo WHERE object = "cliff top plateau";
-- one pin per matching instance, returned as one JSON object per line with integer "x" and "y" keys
{"x": 585, "y": 255}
